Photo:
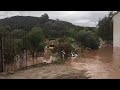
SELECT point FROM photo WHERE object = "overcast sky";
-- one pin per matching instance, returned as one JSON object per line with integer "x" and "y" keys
{"x": 82, "y": 18}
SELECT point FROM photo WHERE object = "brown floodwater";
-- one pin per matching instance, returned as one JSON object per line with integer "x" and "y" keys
{"x": 103, "y": 63}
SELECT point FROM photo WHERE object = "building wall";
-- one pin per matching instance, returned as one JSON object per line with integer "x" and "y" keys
{"x": 116, "y": 39}
{"x": 116, "y": 56}
{"x": 116, "y": 30}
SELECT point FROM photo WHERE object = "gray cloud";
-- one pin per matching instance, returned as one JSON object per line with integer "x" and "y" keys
{"x": 82, "y": 18}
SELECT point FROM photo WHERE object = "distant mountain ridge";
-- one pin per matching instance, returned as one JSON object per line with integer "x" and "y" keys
{"x": 19, "y": 22}
{"x": 49, "y": 26}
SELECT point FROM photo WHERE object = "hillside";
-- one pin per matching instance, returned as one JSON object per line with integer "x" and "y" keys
{"x": 50, "y": 27}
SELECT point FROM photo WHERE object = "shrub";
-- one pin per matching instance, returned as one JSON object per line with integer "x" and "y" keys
{"x": 88, "y": 39}
{"x": 64, "y": 47}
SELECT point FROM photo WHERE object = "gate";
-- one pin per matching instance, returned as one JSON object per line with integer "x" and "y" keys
{"x": 14, "y": 54}
{"x": 6, "y": 41}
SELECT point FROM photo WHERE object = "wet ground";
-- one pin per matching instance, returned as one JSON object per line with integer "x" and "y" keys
{"x": 52, "y": 71}
{"x": 98, "y": 64}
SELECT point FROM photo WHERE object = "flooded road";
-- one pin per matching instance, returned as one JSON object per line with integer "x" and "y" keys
{"x": 103, "y": 63}
{"x": 100, "y": 64}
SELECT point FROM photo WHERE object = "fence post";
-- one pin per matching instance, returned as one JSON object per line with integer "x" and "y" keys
{"x": 26, "y": 49}
{"x": 1, "y": 39}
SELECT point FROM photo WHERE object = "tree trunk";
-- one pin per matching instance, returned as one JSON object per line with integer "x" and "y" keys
{"x": 14, "y": 66}
{"x": 33, "y": 57}
{"x": 36, "y": 56}
{"x": 21, "y": 61}
{"x": 26, "y": 59}
{"x": 6, "y": 68}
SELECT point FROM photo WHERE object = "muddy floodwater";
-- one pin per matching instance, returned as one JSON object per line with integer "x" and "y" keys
{"x": 100, "y": 64}
{"x": 103, "y": 63}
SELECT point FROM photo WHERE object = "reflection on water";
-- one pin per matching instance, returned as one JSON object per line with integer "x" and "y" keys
{"x": 116, "y": 56}
{"x": 104, "y": 54}
{"x": 100, "y": 64}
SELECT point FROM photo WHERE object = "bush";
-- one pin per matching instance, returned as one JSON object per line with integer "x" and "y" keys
{"x": 10, "y": 50}
{"x": 88, "y": 39}
{"x": 63, "y": 47}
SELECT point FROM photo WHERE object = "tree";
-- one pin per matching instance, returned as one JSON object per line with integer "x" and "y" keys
{"x": 35, "y": 41}
{"x": 44, "y": 18}
{"x": 73, "y": 33}
{"x": 5, "y": 29}
{"x": 88, "y": 39}
{"x": 10, "y": 49}
{"x": 105, "y": 27}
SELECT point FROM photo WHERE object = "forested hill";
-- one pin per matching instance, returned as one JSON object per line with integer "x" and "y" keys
{"x": 26, "y": 23}
{"x": 20, "y": 22}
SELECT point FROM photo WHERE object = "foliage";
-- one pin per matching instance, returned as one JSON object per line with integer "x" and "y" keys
{"x": 5, "y": 29}
{"x": 50, "y": 28}
{"x": 88, "y": 39}
{"x": 44, "y": 18}
{"x": 105, "y": 27}
{"x": 35, "y": 40}
{"x": 36, "y": 29}
{"x": 73, "y": 33}
{"x": 56, "y": 29}
{"x": 64, "y": 47}
{"x": 10, "y": 49}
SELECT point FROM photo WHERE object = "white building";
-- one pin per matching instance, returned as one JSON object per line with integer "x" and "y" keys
{"x": 116, "y": 30}
{"x": 116, "y": 38}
